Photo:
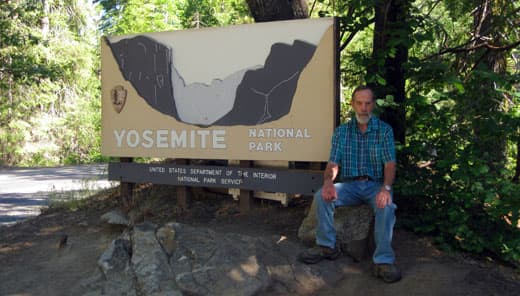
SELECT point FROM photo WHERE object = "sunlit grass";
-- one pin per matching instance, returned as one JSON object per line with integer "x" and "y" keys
{"x": 72, "y": 200}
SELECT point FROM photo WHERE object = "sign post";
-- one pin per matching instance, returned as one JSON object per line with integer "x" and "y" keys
{"x": 127, "y": 188}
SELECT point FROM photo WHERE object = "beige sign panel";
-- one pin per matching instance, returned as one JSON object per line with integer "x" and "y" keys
{"x": 255, "y": 92}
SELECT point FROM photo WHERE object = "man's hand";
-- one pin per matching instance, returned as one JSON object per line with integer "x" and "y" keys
{"x": 383, "y": 198}
{"x": 328, "y": 191}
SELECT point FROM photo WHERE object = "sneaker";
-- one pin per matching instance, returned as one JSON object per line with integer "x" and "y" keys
{"x": 387, "y": 272}
{"x": 318, "y": 253}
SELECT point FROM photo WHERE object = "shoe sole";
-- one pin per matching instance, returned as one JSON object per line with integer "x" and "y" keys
{"x": 386, "y": 280}
{"x": 333, "y": 256}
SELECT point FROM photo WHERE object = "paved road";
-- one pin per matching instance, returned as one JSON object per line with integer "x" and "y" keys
{"x": 24, "y": 191}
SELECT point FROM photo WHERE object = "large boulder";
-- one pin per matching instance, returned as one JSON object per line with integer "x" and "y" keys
{"x": 354, "y": 229}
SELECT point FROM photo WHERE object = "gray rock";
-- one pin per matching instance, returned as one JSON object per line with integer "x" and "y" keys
{"x": 354, "y": 229}
{"x": 206, "y": 263}
{"x": 166, "y": 237}
{"x": 117, "y": 288}
{"x": 115, "y": 217}
{"x": 116, "y": 258}
{"x": 114, "y": 264}
{"x": 150, "y": 263}
{"x": 290, "y": 277}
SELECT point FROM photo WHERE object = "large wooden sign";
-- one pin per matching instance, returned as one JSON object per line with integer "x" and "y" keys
{"x": 265, "y": 91}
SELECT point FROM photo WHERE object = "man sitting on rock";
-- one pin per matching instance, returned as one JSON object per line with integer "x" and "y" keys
{"x": 364, "y": 150}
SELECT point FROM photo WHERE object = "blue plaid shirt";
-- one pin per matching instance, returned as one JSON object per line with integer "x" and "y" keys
{"x": 360, "y": 154}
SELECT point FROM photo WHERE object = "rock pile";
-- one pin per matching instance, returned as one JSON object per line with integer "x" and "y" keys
{"x": 177, "y": 259}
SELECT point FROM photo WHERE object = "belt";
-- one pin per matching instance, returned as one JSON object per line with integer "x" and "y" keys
{"x": 359, "y": 178}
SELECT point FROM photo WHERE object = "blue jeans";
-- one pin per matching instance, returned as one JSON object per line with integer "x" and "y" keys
{"x": 354, "y": 193}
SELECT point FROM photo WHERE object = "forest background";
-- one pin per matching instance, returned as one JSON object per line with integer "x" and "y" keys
{"x": 446, "y": 75}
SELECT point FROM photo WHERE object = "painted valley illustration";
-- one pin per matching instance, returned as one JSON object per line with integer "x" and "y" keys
{"x": 249, "y": 96}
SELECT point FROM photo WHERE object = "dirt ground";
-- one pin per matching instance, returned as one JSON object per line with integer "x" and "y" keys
{"x": 57, "y": 252}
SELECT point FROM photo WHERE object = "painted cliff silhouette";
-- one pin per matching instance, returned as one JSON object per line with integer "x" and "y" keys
{"x": 251, "y": 96}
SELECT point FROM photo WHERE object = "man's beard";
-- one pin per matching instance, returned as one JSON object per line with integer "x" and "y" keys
{"x": 363, "y": 119}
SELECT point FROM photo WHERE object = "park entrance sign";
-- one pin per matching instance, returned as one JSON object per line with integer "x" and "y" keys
{"x": 258, "y": 92}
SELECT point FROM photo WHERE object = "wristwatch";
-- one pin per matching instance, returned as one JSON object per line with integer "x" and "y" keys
{"x": 388, "y": 188}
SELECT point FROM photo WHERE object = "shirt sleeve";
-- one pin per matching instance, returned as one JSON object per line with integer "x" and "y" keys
{"x": 335, "y": 149}
{"x": 388, "y": 151}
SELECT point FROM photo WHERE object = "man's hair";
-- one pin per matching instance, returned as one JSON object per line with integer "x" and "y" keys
{"x": 360, "y": 88}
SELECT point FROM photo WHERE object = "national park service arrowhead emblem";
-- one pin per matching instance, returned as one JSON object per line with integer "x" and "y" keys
{"x": 118, "y": 96}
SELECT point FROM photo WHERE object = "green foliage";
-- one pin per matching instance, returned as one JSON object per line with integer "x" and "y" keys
{"x": 49, "y": 84}
{"x": 137, "y": 16}
{"x": 455, "y": 181}
{"x": 211, "y": 13}
{"x": 455, "y": 197}
{"x": 356, "y": 29}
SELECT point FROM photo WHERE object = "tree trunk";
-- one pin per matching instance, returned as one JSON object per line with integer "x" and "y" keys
{"x": 277, "y": 10}
{"x": 516, "y": 178}
{"x": 44, "y": 21}
{"x": 490, "y": 143}
{"x": 390, "y": 52}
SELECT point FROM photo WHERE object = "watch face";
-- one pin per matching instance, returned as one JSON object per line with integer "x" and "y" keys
{"x": 388, "y": 187}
